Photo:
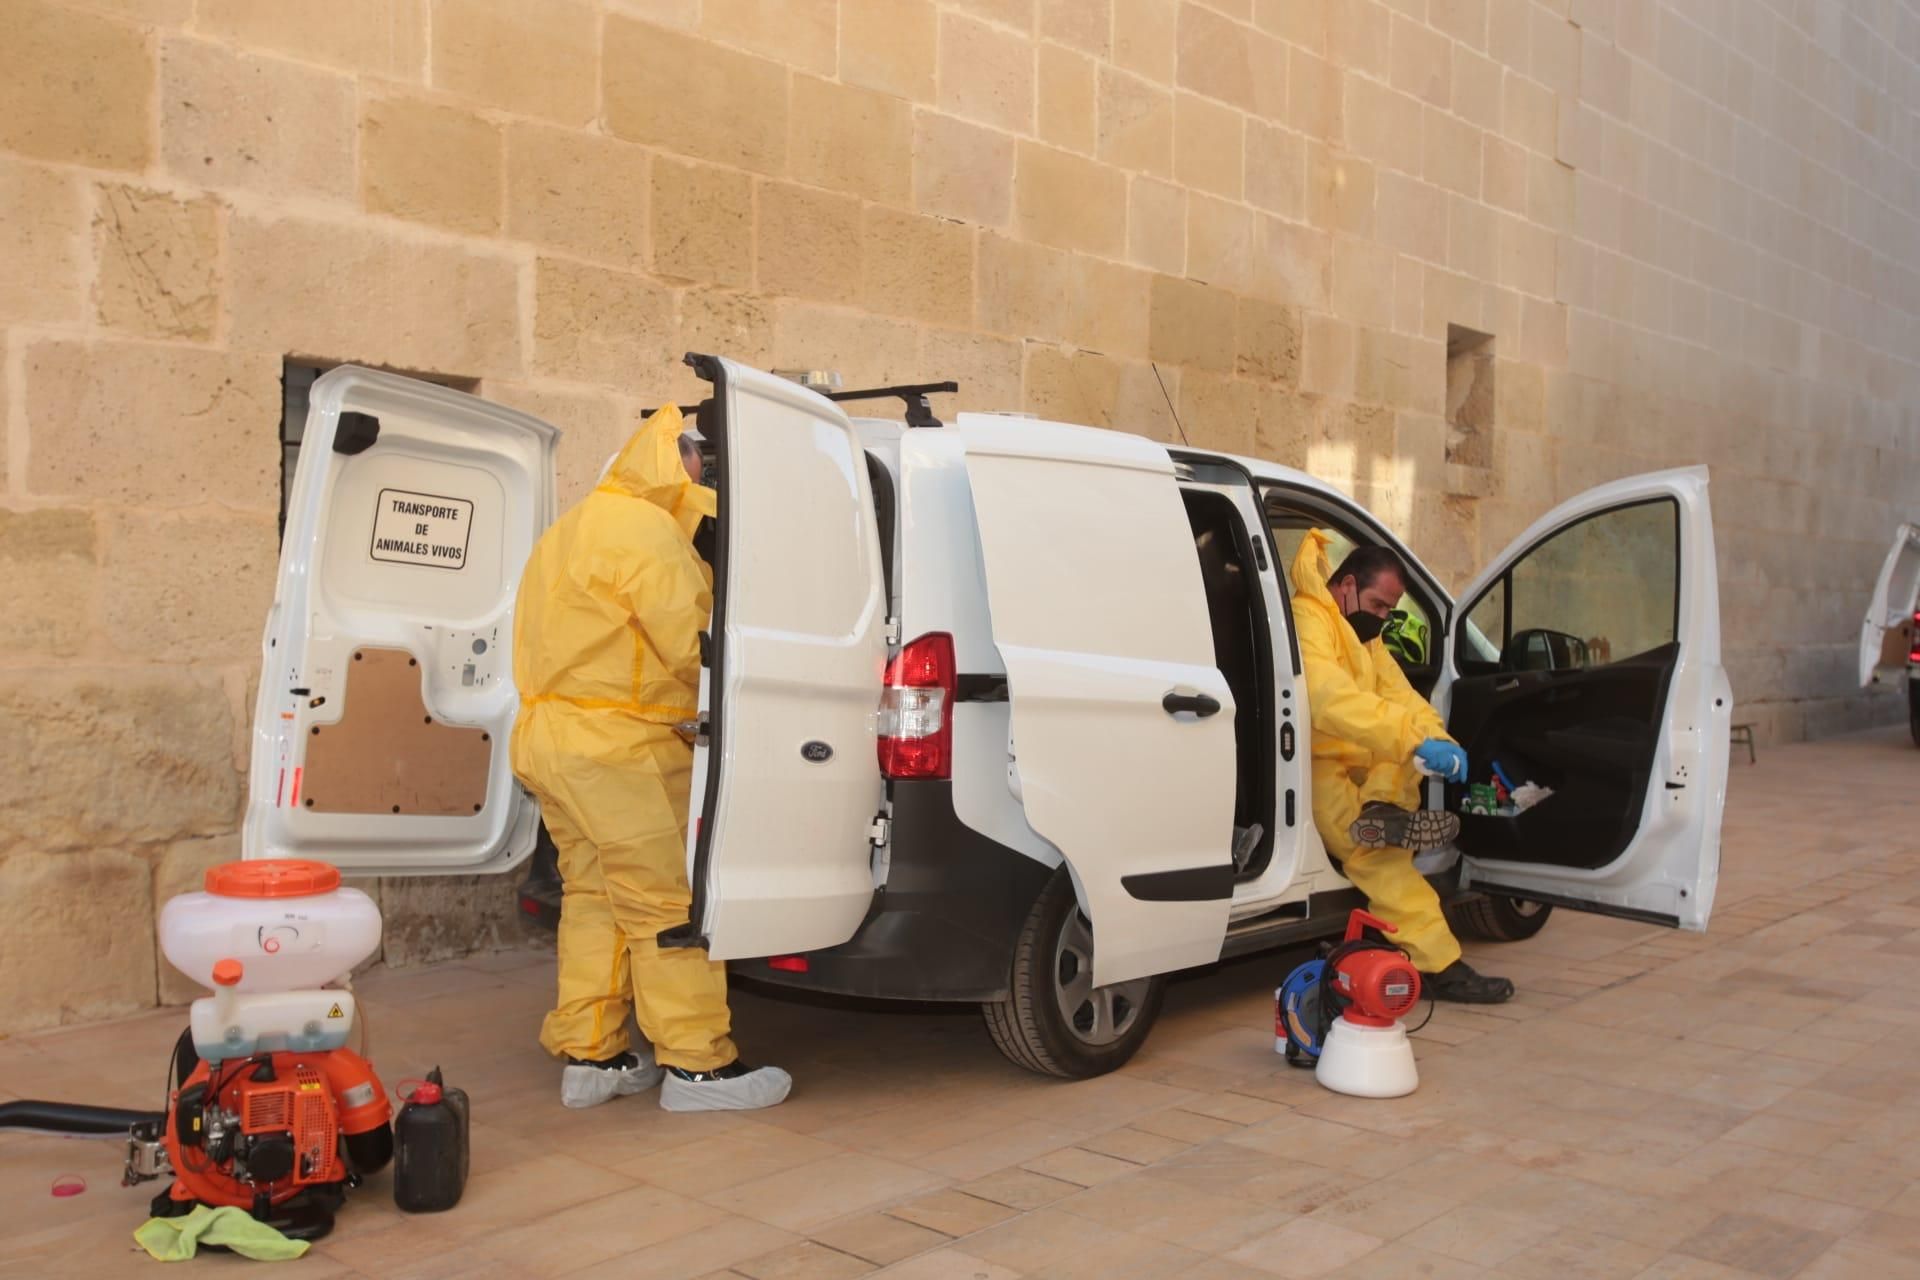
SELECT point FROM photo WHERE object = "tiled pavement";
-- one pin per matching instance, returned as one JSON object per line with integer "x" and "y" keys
{"x": 1653, "y": 1105}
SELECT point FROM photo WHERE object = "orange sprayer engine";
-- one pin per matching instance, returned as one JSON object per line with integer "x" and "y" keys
{"x": 1379, "y": 983}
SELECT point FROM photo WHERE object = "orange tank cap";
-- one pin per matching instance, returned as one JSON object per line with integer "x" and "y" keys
{"x": 272, "y": 878}
{"x": 227, "y": 973}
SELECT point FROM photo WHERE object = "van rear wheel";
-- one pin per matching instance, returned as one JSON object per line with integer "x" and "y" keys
{"x": 1054, "y": 1021}
{"x": 1498, "y": 917}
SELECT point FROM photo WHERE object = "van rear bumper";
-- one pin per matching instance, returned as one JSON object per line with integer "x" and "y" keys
{"x": 944, "y": 926}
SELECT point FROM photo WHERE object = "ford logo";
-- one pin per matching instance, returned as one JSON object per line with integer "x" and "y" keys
{"x": 816, "y": 752}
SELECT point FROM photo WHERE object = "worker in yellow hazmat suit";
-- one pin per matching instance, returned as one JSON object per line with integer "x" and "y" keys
{"x": 606, "y": 656}
{"x": 1369, "y": 729}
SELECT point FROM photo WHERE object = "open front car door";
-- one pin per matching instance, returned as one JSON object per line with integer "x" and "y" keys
{"x": 1887, "y": 635}
{"x": 1587, "y": 660}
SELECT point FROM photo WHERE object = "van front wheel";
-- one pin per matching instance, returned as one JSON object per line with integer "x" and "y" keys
{"x": 1055, "y": 1021}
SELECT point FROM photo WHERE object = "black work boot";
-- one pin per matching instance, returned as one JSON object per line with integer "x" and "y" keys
{"x": 1458, "y": 983}
{"x": 1382, "y": 825}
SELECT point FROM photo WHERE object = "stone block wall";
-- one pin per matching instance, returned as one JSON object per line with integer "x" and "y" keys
{"x": 1686, "y": 225}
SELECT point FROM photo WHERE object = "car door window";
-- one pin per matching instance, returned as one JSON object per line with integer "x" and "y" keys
{"x": 1410, "y": 634}
{"x": 1599, "y": 591}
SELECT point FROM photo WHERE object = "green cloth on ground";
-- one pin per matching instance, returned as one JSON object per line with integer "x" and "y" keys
{"x": 175, "y": 1239}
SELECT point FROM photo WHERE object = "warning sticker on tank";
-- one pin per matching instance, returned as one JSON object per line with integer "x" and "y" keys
{"x": 357, "y": 1096}
{"x": 335, "y": 1012}
{"x": 421, "y": 528}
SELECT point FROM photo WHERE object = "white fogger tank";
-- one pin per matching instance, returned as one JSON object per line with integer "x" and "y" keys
{"x": 266, "y": 936}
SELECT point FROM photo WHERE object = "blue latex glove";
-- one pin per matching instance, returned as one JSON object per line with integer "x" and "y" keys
{"x": 1442, "y": 759}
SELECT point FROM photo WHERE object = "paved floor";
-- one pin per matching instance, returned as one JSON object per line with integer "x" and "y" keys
{"x": 1653, "y": 1105}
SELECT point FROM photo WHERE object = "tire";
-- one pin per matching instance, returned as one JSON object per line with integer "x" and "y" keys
{"x": 1054, "y": 1022}
{"x": 1913, "y": 709}
{"x": 1498, "y": 918}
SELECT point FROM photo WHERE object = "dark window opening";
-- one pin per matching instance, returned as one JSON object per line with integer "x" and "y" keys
{"x": 1470, "y": 412}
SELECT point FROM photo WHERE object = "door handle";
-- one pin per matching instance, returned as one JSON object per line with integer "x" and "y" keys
{"x": 1199, "y": 703}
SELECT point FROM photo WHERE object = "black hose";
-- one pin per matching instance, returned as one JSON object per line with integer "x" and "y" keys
{"x": 74, "y": 1118}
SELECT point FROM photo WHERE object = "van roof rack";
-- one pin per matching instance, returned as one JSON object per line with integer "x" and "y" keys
{"x": 912, "y": 394}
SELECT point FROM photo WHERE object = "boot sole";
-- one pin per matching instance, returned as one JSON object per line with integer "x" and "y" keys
{"x": 1417, "y": 832}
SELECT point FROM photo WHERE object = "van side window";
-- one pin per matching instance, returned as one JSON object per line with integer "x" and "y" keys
{"x": 1599, "y": 591}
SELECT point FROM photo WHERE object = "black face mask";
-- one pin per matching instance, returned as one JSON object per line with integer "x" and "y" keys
{"x": 1366, "y": 625}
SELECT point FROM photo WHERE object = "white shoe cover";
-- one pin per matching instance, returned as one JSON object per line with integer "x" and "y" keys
{"x": 760, "y": 1087}
{"x": 590, "y": 1086}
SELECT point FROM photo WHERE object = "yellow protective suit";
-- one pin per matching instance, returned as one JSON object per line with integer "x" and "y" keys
{"x": 1366, "y": 722}
{"x": 606, "y": 654}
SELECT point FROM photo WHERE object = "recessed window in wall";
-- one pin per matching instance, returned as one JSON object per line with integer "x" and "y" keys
{"x": 1470, "y": 399}
{"x": 296, "y": 382}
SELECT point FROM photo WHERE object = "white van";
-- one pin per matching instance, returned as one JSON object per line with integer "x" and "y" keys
{"x": 1888, "y": 642}
{"x": 987, "y": 703}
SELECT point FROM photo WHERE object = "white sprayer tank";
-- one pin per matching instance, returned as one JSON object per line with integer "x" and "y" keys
{"x": 266, "y": 936}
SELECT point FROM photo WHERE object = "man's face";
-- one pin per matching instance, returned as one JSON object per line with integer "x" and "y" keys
{"x": 690, "y": 458}
{"x": 1377, "y": 597}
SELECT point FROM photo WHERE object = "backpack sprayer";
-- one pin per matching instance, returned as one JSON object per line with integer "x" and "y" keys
{"x": 1340, "y": 1014}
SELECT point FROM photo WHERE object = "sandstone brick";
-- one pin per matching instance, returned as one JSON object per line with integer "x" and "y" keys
{"x": 1220, "y": 238}
{"x": 1314, "y": 104}
{"x": 1510, "y": 33}
{"x": 1208, "y": 147}
{"x": 135, "y": 424}
{"x": 158, "y": 273}
{"x": 595, "y": 325}
{"x": 101, "y": 756}
{"x": 1359, "y": 36}
{"x": 1383, "y": 126}
{"x": 1026, "y": 290}
{"x": 1087, "y": 25}
{"x": 1543, "y": 332}
{"x": 853, "y": 140}
{"x": 684, "y": 14}
{"x": 1555, "y": 52}
{"x": 48, "y": 559}
{"x": 1527, "y": 257}
{"x": 530, "y": 57}
{"x": 1285, "y": 425}
{"x": 460, "y": 189}
{"x": 360, "y": 293}
{"x": 1529, "y": 114}
{"x": 259, "y": 124}
{"x": 1327, "y": 356}
{"x": 1383, "y": 368}
{"x": 1503, "y": 175}
{"x": 1413, "y": 217}
{"x": 1008, "y": 13}
{"x": 1217, "y": 59}
{"x": 182, "y": 868}
{"x": 1341, "y": 191}
{"x": 1520, "y": 391}
{"x": 890, "y": 45}
{"x": 75, "y": 87}
{"x": 702, "y": 223}
{"x": 986, "y": 74}
{"x": 1277, "y": 170}
{"x": 916, "y": 266}
{"x": 93, "y": 906}
{"x": 1478, "y": 86}
{"x": 1303, "y": 26}
{"x": 1144, "y": 400}
{"x": 961, "y": 170}
{"x": 578, "y": 192}
{"x": 1069, "y": 202}
{"x": 1066, "y": 99}
{"x": 684, "y": 94}
{"x": 867, "y": 350}
{"x": 800, "y": 33}
{"x": 387, "y": 38}
{"x": 1145, "y": 38}
{"x": 1063, "y": 385}
{"x": 1293, "y": 264}
{"x": 987, "y": 368}
{"x": 191, "y": 587}
{"x": 1218, "y": 412}
{"x": 593, "y": 426}
{"x": 1464, "y": 20}
{"x": 809, "y": 244}
{"x": 1111, "y": 304}
{"x": 42, "y": 261}
{"x": 1605, "y": 74}
{"x": 1157, "y": 226}
{"x": 1363, "y": 282}
{"x": 1267, "y": 341}
{"x": 1191, "y": 323}
{"x": 1136, "y": 123}
{"x": 1452, "y": 154}
{"x": 1422, "y": 61}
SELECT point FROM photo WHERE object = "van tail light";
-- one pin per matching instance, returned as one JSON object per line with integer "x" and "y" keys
{"x": 1913, "y": 649}
{"x": 788, "y": 964}
{"x": 916, "y": 710}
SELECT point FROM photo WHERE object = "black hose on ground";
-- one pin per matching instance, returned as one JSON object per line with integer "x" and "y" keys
{"x": 74, "y": 1119}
